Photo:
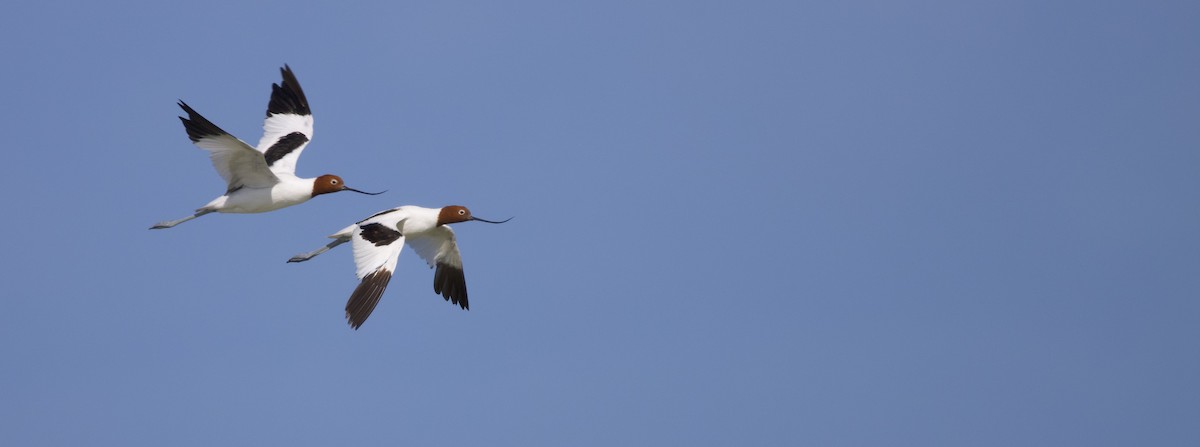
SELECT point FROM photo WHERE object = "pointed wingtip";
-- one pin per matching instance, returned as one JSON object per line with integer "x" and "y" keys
{"x": 287, "y": 97}
{"x": 366, "y": 296}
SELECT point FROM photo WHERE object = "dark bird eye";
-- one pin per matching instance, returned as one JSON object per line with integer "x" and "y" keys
{"x": 461, "y": 212}
{"x": 334, "y": 181}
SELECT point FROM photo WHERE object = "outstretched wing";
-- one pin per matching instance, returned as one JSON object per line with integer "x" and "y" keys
{"x": 376, "y": 248}
{"x": 238, "y": 163}
{"x": 440, "y": 250}
{"x": 289, "y": 125}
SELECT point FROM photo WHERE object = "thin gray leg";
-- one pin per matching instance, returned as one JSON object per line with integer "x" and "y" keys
{"x": 171, "y": 223}
{"x": 306, "y": 256}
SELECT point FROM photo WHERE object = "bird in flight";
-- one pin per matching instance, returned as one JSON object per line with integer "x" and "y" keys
{"x": 378, "y": 240}
{"x": 263, "y": 178}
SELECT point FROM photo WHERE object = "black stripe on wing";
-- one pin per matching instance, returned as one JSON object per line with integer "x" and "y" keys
{"x": 378, "y": 234}
{"x": 288, "y": 97}
{"x": 379, "y": 214}
{"x": 285, "y": 145}
{"x": 198, "y": 126}
{"x": 366, "y": 296}
{"x": 451, "y": 283}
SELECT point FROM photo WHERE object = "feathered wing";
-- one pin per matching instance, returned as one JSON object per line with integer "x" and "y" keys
{"x": 288, "y": 127}
{"x": 376, "y": 248}
{"x": 238, "y": 163}
{"x": 440, "y": 250}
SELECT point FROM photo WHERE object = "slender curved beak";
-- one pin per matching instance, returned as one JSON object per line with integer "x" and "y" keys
{"x": 347, "y": 188}
{"x": 489, "y": 221}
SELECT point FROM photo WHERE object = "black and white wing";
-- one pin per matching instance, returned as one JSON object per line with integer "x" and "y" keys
{"x": 288, "y": 127}
{"x": 440, "y": 250}
{"x": 238, "y": 163}
{"x": 376, "y": 248}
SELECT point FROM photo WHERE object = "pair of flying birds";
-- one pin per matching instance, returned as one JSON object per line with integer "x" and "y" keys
{"x": 263, "y": 178}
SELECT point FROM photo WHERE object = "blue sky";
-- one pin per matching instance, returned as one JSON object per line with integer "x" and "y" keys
{"x": 737, "y": 223}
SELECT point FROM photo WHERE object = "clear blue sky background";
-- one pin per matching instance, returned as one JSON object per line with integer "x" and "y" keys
{"x": 737, "y": 223}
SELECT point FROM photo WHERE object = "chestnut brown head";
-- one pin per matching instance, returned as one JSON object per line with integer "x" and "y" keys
{"x": 458, "y": 213}
{"x": 329, "y": 183}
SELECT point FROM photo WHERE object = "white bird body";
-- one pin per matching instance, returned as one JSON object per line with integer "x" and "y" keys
{"x": 261, "y": 179}
{"x": 415, "y": 219}
{"x": 289, "y": 191}
{"x": 377, "y": 242}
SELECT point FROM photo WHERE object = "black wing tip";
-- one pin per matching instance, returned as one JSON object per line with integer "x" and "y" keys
{"x": 451, "y": 283}
{"x": 366, "y": 296}
{"x": 187, "y": 109}
{"x": 288, "y": 76}
{"x": 287, "y": 97}
{"x": 196, "y": 125}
